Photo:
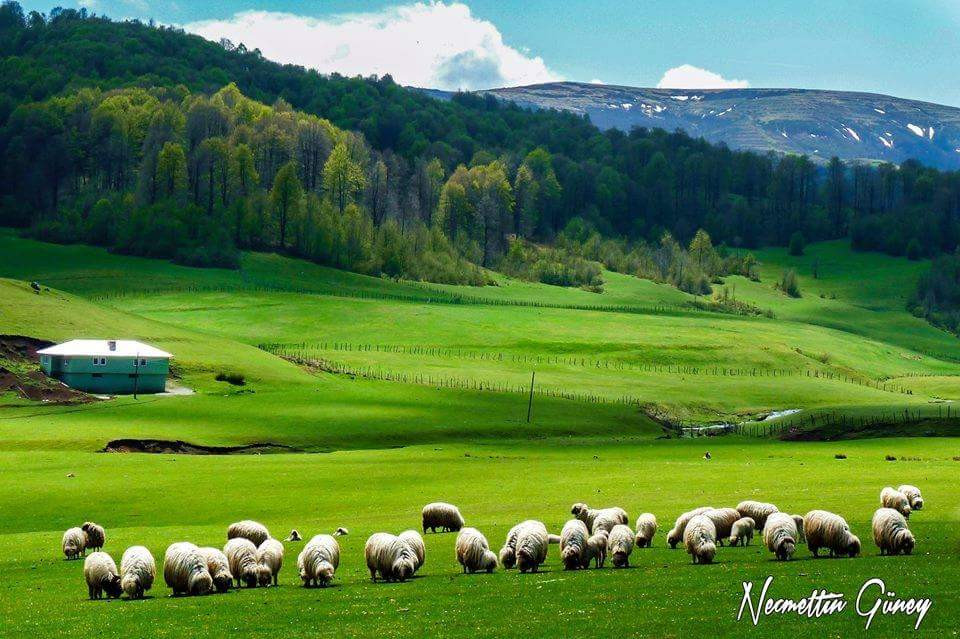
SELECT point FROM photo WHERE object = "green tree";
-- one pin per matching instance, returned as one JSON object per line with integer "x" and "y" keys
{"x": 342, "y": 177}
{"x": 797, "y": 243}
{"x": 171, "y": 171}
{"x": 285, "y": 197}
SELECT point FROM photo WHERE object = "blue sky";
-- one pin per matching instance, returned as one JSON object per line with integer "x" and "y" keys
{"x": 907, "y": 48}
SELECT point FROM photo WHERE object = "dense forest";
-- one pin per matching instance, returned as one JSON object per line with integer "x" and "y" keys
{"x": 156, "y": 142}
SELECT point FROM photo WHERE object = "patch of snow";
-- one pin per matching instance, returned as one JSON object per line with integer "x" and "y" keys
{"x": 780, "y": 413}
{"x": 918, "y": 131}
{"x": 887, "y": 143}
{"x": 681, "y": 98}
{"x": 930, "y": 133}
{"x": 880, "y": 111}
{"x": 853, "y": 133}
{"x": 784, "y": 134}
{"x": 627, "y": 105}
{"x": 725, "y": 112}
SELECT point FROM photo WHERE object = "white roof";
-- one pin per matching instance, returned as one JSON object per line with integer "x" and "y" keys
{"x": 101, "y": 347}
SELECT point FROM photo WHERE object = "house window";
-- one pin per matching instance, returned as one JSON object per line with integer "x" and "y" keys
{"x": 143, "y": 362}
{"x": 99, "y": 361}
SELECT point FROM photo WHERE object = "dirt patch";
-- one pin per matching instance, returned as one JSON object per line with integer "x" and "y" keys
{"x": 179, "y": 447}
{"x": 20, "y": 373}
{"x": 837, "y": 432}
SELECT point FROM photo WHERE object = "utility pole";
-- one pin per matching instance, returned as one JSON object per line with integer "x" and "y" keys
{"x": 533, "y": 375}
{"x": 136, "y": 375}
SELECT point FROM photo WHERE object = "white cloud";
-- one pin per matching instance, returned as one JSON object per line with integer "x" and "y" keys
{"x": 687, "y": 76}
{"x": 432, "y": 44}
{"x": 597, "y": 81}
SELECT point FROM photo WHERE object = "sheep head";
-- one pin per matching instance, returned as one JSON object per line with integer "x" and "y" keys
{"x": 111, "y": 585}
{"x": 579, "y": 510}
{"x": 250, "y": 576}
{"x": 264, "y": 575}
{"x": 707, "y": 551}
{"x": 853, "y": 545}
{"x": 508, "y": 557}
{"x": 223, "y": 580}
{"x": 402, "y": 568}
{"x": 904, "y": 542}
{"x": 673, "y": 537}
{"x": 325, "y": 573}
{"x": 200, "y": 583}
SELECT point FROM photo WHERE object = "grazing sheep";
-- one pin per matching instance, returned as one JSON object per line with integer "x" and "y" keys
{"x": 185, "y": 570}
{"x": 891, "y": 498}
{"x": 890, "y": 532}
{"x": 441, "y": 515}
{"x": 620, "y": 545}
{"x": 269, "y": 562}
{"x": 256, "y": 532}
{"x": 100, "y": 571}
{"x": 780, "y": 535}
{"x": 913, "y": 495}
{"x": 390, "y": 557}
{"x": 742, "y": 531}
{"x": 609, "y": 517}
{"x": 219, "y": 568}
{"x": 597, "y": 549}
{"x": 826, "y": 530}
{"x": 757, "y": 510}
{"x": 294, "y": 535}
{"x": 722, "y": 519}
{"x": 74, "y": 543}
{"x": 553, "y": 539}
{"x": 242, "y": 559}
{"x": 508, "y": 554}
{"x": 96, "y": 535}
{"x": 646, "y": 529}
{"x": 532, "y": 545}
{"x": 573, "y": 545}
{"x": 413, "y": 539}
{"x": 675, "y": 536}
{"x": 798, "y": 520}
{"x": 699, "y": 539}
{"x": 319, "y": 560}
{"x": 137, "y": 571}
{"x": 339, "y": 532}
{"x": 473, "y": 551}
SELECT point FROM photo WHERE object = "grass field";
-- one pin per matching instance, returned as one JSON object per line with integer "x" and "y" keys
{"x": 435, "y": 407}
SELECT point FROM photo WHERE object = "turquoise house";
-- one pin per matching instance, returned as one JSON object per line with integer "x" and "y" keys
{"x": 110, "y": 367}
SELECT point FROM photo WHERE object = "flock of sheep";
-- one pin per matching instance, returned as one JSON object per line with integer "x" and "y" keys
{"x": 252, "y": 557}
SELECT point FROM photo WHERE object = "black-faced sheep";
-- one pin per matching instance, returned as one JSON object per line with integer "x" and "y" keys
{"x": 742, "y": 531}
{"x": 242, "y": 558}
{"x": 620, "y": 545}
{"x": 532, "y": 543}
{"x": 699, "y": 538}
{"x": 413, "y": 539}
{"x": 473, "y": 552}
{"x": 646, "y": 529}
{"x": 827, "y": 530}
{"x": 319, "y": 560}
{"x": 74, "y": 543}
{"x": 441, "y": 515}
{"x": 389, "y": 557}
{"x": 185, "y": 570}
{"x": 294, "y": 535}
{"x": 96, "y": 535}
{"x": 573, "y": 545}
{"x": 675, "y": 536}
{"x": 100, "y": 571}
{"x": 780, "y": 535}
{"x": 256, "y": 532}
{"x": 137, "y": 571}
{"x": 600, "y": 518}
{"x": 757, "y": 510}
{"x": 269, "y": 562}
{"x": 893, "y": 498}
{"x": 890, "y": 532}
{"x": 722, "y": 519}
{"x": 913, "y": 495}
{"x": 219, "y": 568}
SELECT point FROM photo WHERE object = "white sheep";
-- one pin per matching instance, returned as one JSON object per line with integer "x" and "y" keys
{"x": 756, "y": 510}
{"x": 609, "y": 517}
{"x": 137, "y": 571}
{"x": 413, "y": 539}
{"x": 532, "y": 543}
{"x": 597, "y": 549}
{"x": 256, "y": 532}
{"x": 573, "y": 545}
{"x": 319, "y": 560}
{"x": 473, "y": 551}
{"x": 890, "y": 532}
{"x": 827, "y": 530}
{"x": 798, "y": 520}
{"x": 780, "y": 535}
{"x": 508, "y": 554}
{"x": 893, "y": 498}
{"x": 96, "y": 535}
{"x": 242, "y": 558}
{"x": 100, "y": 571}
{"x": 339, "y": 532}
{"x": 913, "y": 494}
{"x": 388, "y": 556}
{"x": 74, "y": 543}
{"x": 620, "y": 545}
{"x": 742, "y": 531}
{"x": 185, "y": 570}
{"x": 441, "y": 515}
{"x": 269, "y": 561}
{"x": 646, "y": 529}
{"x": 699, "y": 538}
{"x": 723, "y": 519}
{"x": 675, "y": 536}
{"x": 219, "y": 568}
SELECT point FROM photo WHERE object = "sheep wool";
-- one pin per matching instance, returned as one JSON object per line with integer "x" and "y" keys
{"x": 756, "y": 510}
{"x": 573, "y": 545}
{"x": 242, "y": 559}
{"x": 441, "y": 515}
{"x": 827, "y": 530}
{"x": 269, "y": 561}
{"x": 508, "y": 554}
{"x": 532, "y": 543}
{"x": 675, "y": 536}
{"x": 742, "y": 531}
{"x": 890, "y": 532}
{"x": 893, "y": 498}
{"x": 913, "y": 495}
{"x": 597, "y": 549}
{"x": 608, "y": 517}
{"x": 798, "y": 520}
{"x": 319, "y": 560}
{"x": 722, "y": 519}
{"x": 389, "y": 557}
{"x": 185, "y": 570}
{"x": 74, "y": 543}
{"x": 780, "y": 535}
{"x": 646, "y": 529}
{"x": 473, "y": 551}
{"x": 699, "y": 539}
{"x": 100, "y": 571}
{"x": 620, "y": 545}
{"x": 137, "y": 571}
{"x": 219, "y": 568}
{"x": 413, "y": 539}
{"x": 256, "y": 532}
{"x": 96, "y": 535}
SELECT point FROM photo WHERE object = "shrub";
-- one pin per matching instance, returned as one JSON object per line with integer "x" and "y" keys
{"x": 839, "y": 456}
{"x": 788, "y": 283}
{"x": 890, "y": 458}
{"x": 797, "y": 243}
{"x": 236, "y": 379}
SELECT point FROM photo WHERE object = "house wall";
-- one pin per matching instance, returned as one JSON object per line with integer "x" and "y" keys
{"x": 116, "y": 375}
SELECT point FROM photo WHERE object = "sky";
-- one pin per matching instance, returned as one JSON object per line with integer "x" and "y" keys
{"x": 907, "y": 48}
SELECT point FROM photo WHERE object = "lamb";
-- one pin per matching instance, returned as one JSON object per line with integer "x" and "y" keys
{"x": 269, "y": 562}
{"x": 798, "y": 520}
{"x": 137, "y": 571}
{"x": 675, "y": 536}
{"x": 890, "y": 532}
{"x": 473, "y": 551}
{"x": 826, "y": 530}
{"x": 532, "y": 546}
{"x": 780, "y": 535}
{"x": 100, "y": 571}
{"x": 256, "y": 532}
{"x": 573, "y": 545}
{"x": 646, "y": 529}
{"x": 597, "y": 549}
{"x": 413, "y": 539}
{"x": 441, "y": 515}
{"x": 319, "y": 560}
{"x": 742, "y": 531}
{"x": 242, "y": 559}
{"x": 913, "y": 495}
{"x": 609, "y": 517}
{"x": 185, "y": 570}
{"x": 96, "y": 535}
{"x": 890, "y": 498}
{"x": 74, "y": 543}
{"x": 722, "y": 519}
{"x": 620, "y": 545}
{"x": 757, "y": 510}
{"x": 219, "y": 568}
{"x": 698, "y": 538}
{"x": 390, "y": 557}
